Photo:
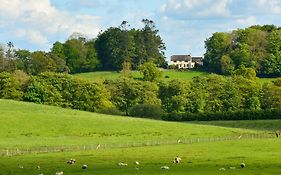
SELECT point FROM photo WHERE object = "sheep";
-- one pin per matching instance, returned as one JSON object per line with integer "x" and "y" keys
{"x": 84, "y": 167}
{"x": 240, "y": 137}
{"x": 122, "y": 164}
{"x": 38, "y": 167}
{"x": 232, "y": 168}
{"x": 137, "y": 163}
{"x": 177, "y": 160}
{"x": 71, "y": 161}
{"x": 59, "y": 173}
{"x": 277, "y": 133}
{"x": 98, "y": 147}
{"x": 242, "y": 165}
{"x": 222, "y": 169}
{"x": 165, "y": 168}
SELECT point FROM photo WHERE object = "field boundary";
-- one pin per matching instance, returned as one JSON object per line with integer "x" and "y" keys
{"x": 41, "y": 150}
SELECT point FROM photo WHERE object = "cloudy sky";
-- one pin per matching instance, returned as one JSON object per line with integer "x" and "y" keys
{"x": 183, "y": 24}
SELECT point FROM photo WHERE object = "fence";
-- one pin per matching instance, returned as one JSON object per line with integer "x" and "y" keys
{"x": 21, "y": 151}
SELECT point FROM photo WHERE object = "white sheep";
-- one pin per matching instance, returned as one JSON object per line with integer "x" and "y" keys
{"x": 137, "y": 163}
{"x": 177, "y": 160}
{"x": 59, "y": 173}
{"x": 165, "y": 168}
{"x": 122, "y": 164}
{"x": 84, "y": 167}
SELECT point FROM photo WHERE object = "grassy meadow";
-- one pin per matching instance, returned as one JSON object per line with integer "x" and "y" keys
{"x": 166, "y": 75}
{"x": 27, "y": 125}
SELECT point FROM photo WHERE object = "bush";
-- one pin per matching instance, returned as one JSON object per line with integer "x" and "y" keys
{"x": 237, "y": 115}
{"x": 111, "y": 111}
{"x": 146, "y": 111}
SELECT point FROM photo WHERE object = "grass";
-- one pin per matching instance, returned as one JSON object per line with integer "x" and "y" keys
{"x": 172, "y": 74}
{"x": 263, "y": 125}
{"x": 261, "y": 156}
{"x": 31, "y": 125}
{"x": 27, "y": 125}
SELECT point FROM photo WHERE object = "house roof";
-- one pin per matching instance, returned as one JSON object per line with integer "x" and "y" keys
{"x": 197, "y": 58}
{"x": 181, "y": 58}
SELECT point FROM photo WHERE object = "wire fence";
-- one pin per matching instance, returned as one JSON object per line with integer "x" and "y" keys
{"x": 38, "y": 150}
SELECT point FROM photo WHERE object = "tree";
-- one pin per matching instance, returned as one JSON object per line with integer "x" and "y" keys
{"x": 114, "y": 47}
{"x": 150, "y": 71}
{"x": 216, "y": 46}
{"x": 41, "y": 62}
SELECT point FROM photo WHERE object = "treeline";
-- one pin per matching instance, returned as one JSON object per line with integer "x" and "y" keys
{"x": 174, "y": 100}
{"x": 108, "y": 51}
{"x": 257, "y": 47}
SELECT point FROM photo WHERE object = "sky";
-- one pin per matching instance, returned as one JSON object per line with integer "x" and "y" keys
{"x": 184, "y": 25}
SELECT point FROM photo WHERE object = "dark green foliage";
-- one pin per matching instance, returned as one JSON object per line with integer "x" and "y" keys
{"x": 118, "y": 45}
{"x": 236, "y": 115}
{"x": 146, "y": 111}
{"x": 126, "y": 93}
{"x": 80, "y": 56}
{"x": 257, "y": 47}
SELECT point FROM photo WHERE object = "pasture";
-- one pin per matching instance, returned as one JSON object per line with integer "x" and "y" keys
{"x": 33, "y": 126}
{"x": 166, "y": 75}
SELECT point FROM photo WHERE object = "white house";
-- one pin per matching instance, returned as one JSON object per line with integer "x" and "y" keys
{"x": 182, "y": 61}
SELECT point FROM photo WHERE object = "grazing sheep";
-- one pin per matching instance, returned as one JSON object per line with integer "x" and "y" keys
{"x": 71, "y": 161}
{"x": 242, "y": 165}
{"x": 165, "y": 168}
{"x": 177, "y": 160}
{"x": 98, "y": 147}
{"x": 179, "y": 141}
{"x": 59, "y": 173}
{"x": 84, "y": 167}
{"x": 41, "y": 174}
{"x": 122, "y": 164}
{"x": 137, "y": 163}
{"x": 240, "y": 137}
{"x": 222, "y": 169}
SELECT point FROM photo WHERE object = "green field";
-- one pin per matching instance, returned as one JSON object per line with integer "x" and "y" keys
{"x": 27, "y": 125}
{"x": 171, "y": 74}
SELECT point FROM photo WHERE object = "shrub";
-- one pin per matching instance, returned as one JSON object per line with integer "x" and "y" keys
{"x": 146, "y": 111}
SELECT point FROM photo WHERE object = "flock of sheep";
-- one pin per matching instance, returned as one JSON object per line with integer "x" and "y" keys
{"x": 177, "y": 160}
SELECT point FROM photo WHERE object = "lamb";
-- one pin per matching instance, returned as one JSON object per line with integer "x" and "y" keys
{"x": 137, "y": 163}
{"x": 177, "y": 160}
{"x": 71, "y": 161}
{"x": 84, "y": 167}
{"x": 165, "y": 168}
{"x": 242, "y": 165}
{"x": 122, "y": 164}
{"x": 59, "y": 173}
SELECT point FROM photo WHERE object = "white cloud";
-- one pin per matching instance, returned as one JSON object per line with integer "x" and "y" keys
{"x": 196, "y": 9}
{"x": 34, "y": 36}
{"x": 251, "y": 20}
{"x": 39, "y": 20}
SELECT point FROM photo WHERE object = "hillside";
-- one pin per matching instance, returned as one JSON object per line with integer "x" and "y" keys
{"x": 32, "y": 125}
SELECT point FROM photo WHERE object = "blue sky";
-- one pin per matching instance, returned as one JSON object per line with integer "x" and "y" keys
{"x": 184, "y": 24}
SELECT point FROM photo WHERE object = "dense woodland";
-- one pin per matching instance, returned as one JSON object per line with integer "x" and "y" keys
{"x": 258, "y": 47}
